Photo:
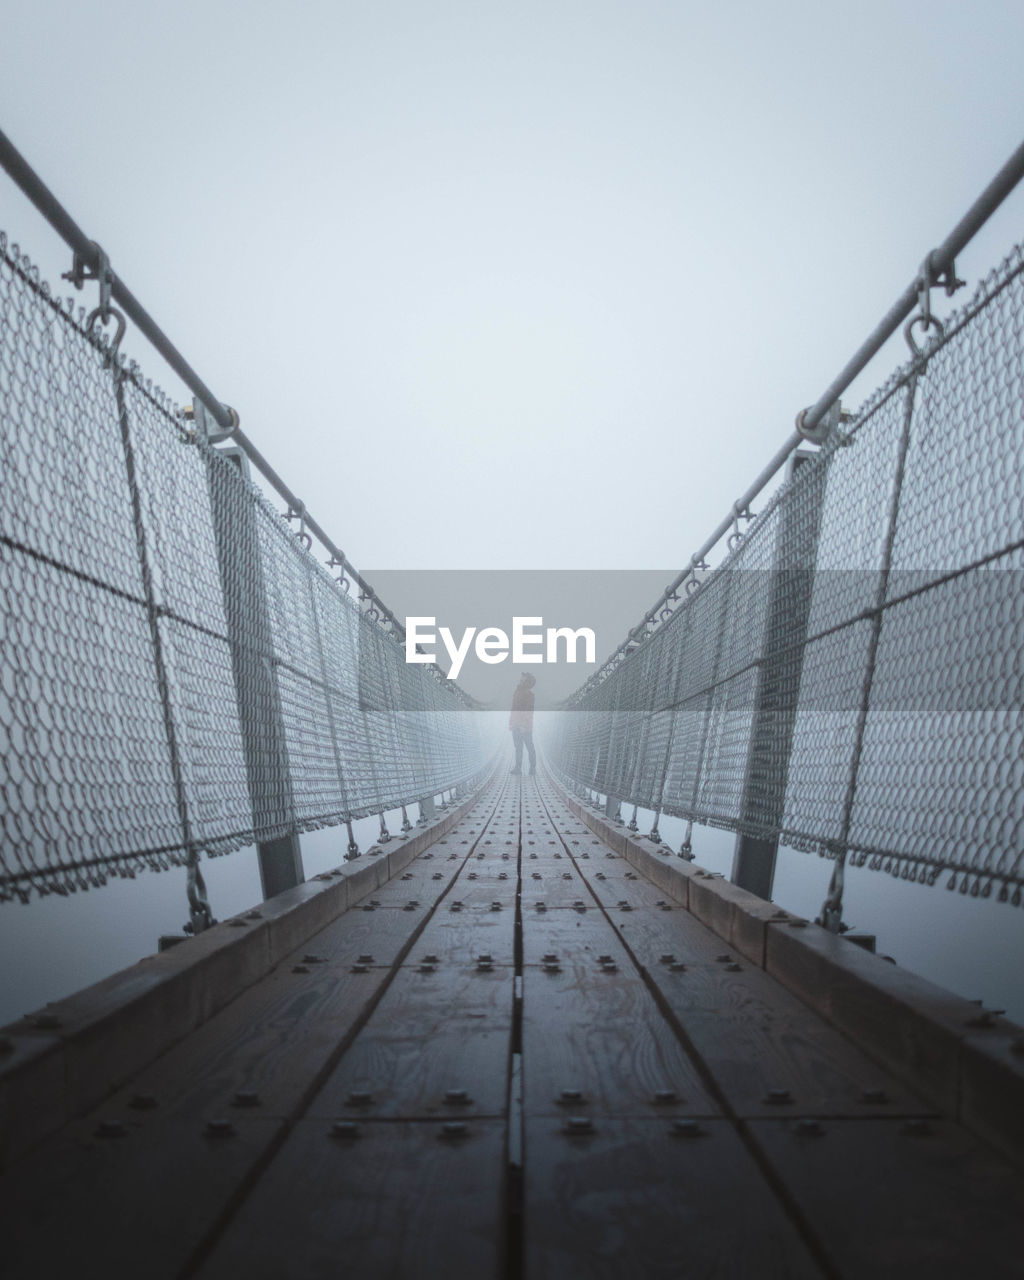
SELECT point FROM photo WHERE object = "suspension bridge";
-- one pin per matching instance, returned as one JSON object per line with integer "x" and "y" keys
{"x": 515, "y": 1037}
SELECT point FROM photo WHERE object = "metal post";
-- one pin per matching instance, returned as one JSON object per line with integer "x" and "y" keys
{"x": 256, "y": 688}
{"x": 764, "y": 788}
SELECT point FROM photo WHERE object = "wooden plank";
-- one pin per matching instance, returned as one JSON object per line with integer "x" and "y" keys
{"x": 896, "y": 1204}
{"x": 768, "y": 1053}
{"x": 398, "y": 1201}
{"x": 564, "y": 931}
{"x": 432, "y": 1032}
{"x": 632, "y": 1200}
{"x": 602, "y": 1034}
{"x": 459, "y": 938}
{"x": 133, "y": 1205}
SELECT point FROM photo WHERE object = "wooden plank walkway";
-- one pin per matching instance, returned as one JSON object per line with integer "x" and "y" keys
{"x": 517, "y": 1060}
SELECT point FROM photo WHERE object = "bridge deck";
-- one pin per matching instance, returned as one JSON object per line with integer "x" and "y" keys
{"x": 608, "y": 1092}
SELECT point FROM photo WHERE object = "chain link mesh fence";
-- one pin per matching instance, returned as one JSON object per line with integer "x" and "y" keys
{"x": 178, "y": 674}
{"x": 850, "y": 680}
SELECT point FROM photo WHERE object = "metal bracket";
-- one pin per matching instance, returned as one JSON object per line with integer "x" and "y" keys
{"x": 834, "y": 417}
{"x": 206, "y": 425}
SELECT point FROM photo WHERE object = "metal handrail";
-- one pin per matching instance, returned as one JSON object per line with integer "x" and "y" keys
{"x": 89, "y": 255}
{"x": 938, "y": 268}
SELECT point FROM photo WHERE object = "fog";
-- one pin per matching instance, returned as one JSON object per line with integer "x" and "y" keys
{"x": 522, "y": 288}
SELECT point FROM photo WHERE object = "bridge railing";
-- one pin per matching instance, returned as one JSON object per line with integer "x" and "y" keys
{"x": 178, "y": 674}
{"x": 850, "y": 679}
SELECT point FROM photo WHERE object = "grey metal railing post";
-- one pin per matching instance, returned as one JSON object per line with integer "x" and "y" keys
{"x": 771, "y": 738}
{"x": 256, "y": 687}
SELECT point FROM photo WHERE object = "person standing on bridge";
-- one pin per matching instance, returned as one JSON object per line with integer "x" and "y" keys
{"x": 521, "y": 722}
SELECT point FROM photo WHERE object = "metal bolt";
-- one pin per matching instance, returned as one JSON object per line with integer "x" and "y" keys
{"x": 365, "y": 959}
{"x": 874, "y": 1097}
{"x": 734, "y": 967}
{"x": 665, "y": 1097}
{"x": 454, "y": 1129}
{"x": 724, "y": 959}
{"x": 344, "y": 1129}
{"x": 247, "y": 1099}
{"x": 549, "y": 957}
{"x": 485, "y": 956}
{"x": 566, "y": 875}
{"x": 426, "y": 968}
{"x": 484, "y": 965}
{"x": 601, "y": 876}
{"x": 778, "y": 1097}
{"x": 678, "y": 967}
{"x": 457, "y": 1098}
{"x": 437, "y": 876}
{"x": 367, "y": 907}
{"x": 570, "y": 1097}
{"x": 312, "y": 960}
{"x": 430, "y": 958}
{"x": 552, "y": 966}
{"x": 220, "y": 1129}
{"x": 604, "y": 960}
{"x": 299, "y": 968}
{"x": 495, "y": 906}
{"x": 360, "y": 968}
{"x": 541, "y": 906}
{"x": 110, "y": 1129}
{"x": 359, "y": 1098}
{"x": 668, "y": 958}
{"x": 579, "y": 1124}
{"x": 809, "y": 1128}
{"x": 142, "y": 1102}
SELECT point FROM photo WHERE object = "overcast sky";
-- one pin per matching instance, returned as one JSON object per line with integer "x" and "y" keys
{"x": 514, "y": 286}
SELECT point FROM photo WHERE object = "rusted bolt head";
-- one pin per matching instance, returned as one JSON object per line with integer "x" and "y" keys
{"x": 220, "y": 1129}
